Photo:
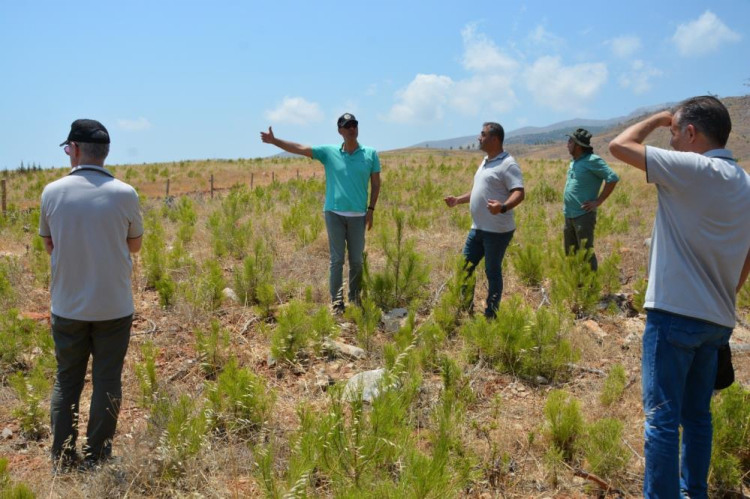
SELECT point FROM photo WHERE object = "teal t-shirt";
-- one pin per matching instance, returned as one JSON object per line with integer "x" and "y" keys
{"x": 585, "y": 177}
{"x": 347, "y": 176}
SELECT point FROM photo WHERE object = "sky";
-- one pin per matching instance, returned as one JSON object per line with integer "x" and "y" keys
{"x": 182, "y": 80}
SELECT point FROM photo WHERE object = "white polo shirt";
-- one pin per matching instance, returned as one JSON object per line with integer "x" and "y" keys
{"x": 701, "y": 234}
{"x": 90, "y": 215}
{"x": 495, "y": 178}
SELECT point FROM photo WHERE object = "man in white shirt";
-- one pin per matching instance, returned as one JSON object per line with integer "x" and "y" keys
{"x": 700, "y": 258}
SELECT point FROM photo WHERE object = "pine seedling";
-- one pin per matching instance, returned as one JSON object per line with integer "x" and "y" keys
{"x": 146, "y": 373}
{"x": 604, "y": 450}
{"x": 31, "y": 390}
{"x": 212, "y": 348}
{"x": 564, "y": 422}
{"x": 614, "y": 385}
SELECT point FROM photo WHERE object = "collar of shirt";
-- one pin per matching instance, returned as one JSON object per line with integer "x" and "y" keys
{"x": 582, "y": 156}
{"x": 487, "y": 160}
{"x": 90, "y": 167}
{"x": 720, "y": 154}
{"x": 359, "y": 148}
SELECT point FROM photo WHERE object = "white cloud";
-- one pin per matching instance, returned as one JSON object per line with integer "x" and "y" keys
{"x": 481, "y": 53}
{"x": 564, "y": 88}
{"x": 703, "y": 36}
{"x": 295, "y": 110}
{"x": 474, "y": 95}
{"x": 541, "y": 36}
{"x": 371, "y": 89}
{"x": 640, "y": 76}
{"x": 134, "y": 125}
{"x": 625, "y": 46}
{"x": 422, "y": 100}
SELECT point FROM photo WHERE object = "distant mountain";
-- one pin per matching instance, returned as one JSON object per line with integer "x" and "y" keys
{"x": 541, "y": 135}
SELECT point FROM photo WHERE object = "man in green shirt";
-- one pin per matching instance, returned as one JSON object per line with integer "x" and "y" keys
{"x": 350, "y": 168}
{"x": 586, "y": 173}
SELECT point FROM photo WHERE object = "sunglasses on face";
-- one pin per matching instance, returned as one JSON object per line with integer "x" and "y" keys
{"x": 351, "y": 124}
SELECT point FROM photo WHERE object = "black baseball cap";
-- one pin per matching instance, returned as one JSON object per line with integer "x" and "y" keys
{"x": 90, "y": 131}
{"x": 347, "y": 118}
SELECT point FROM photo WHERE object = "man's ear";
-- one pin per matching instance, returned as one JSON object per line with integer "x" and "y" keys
{"x": 691, "y": 132}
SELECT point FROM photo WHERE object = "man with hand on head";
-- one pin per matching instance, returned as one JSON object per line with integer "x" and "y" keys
{"x": 699, "y": 260}
{"x": 350, "y": 168}
{"x": 90, "y": 223}
{"x": 586, "y": 173}
{"x": 497, "y": 189}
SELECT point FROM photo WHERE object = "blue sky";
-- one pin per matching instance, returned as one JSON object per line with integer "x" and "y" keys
{"x": 193, "y": 80}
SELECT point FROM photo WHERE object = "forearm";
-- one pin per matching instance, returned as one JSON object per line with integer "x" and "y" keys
{"x": 628, "y": 146}
{"x": 48, "y": 244}
{"x": 464, "y": 198}
{"x": 515, "y": 198}
{"x": 374, "y": 192}
{"x": 608, "y": 188}
{"x": 745, "y": 272}
{"x": 134, "y": 244}
{"x": 292, "y": 147}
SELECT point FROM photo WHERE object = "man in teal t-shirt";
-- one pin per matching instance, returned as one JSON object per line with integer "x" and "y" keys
{"x": 349, "y": 169}
{"x": 586, "y": 173}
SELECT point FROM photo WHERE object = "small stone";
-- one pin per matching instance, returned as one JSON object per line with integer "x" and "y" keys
{"x": 541, "y": 380}
{"x": 594, "y": 329}
{"x": 647, "y": 242}
{"x": 271, "y": 360}
{"x": 343, "y": 350}
{"x": 229, "y": 294}
{"x": 368, "y": 382}
{"x": 7, "y": 434}
{"x": 394, "y": 320}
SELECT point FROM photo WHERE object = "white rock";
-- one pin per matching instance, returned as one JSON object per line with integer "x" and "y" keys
{"x": 7, "y": 434}
{"x": 343, "y": 350}
{"x": 229, "y": 294}
{"x": 367, "y": 382}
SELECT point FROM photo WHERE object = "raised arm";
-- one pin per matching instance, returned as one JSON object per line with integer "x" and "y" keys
{"x": 292, "y": 147}
{"x": 628, "y": 146}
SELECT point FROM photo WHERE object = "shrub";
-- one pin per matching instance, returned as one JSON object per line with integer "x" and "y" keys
{"x": 212, "y": 348}
{"x": 304, "y": 223}
{"x": 292, "y": 333}
{"x": 614, "y": 385}
{"x": 7, "y": 295}
{"x": 40, "y": 262}
{"x": 730, "y": 454}
{"x": 9, "y": 490}
{"x": 154, "y": 250}
{"x": 528, "y": 261}
{"x": 146, "y": 373}
{"x": 20, "y": 337}
{"x": 31, "y": 391}
{"x": 239, "y": 401}
{"x": 639, "y": 294}
{"x": 182, "y": 432}
{"x": 604, "y": 450}
{"x": 255, "y": 271}
{"x": 549, "y": 352}
{"x": 564, "y": 422}
{"x": 367, "y": 317}
{"x": 609, "y": 273}
{"x": 574, "y": 283}
{"x": 447, "y": 312}
{"x": 405, "y": 275}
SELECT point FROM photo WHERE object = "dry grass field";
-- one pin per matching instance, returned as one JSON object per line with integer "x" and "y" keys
{"x": 226, "y": 398}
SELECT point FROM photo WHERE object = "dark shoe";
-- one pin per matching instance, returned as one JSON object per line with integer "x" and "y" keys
{"x": 338, "y": 308}
{"x": 65, "y": 463}
{"x": 90, "y": 463}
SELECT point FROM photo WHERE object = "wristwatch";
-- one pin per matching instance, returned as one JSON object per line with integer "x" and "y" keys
{"x": 503, "y": 208}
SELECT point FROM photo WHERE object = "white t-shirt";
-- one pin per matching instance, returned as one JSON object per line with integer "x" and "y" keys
{"x": 701, "y": 234}
{"x": 494, "y": 179}
{"x": 90, "y": 215}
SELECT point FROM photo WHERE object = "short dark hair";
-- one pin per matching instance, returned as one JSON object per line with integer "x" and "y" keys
{"x": 708, "y": 115}
{"x": 98, "y": 152}
{"x": 495, "y": 129}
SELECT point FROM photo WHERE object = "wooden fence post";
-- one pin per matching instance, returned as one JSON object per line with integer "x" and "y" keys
{"x": 5, "y": 198}
{"x": 212, "y": 186}
{"x": 273, "y": 177}
{"x": 167, "y": 187}
{"x": 297, "y": 173}
{"x": 252, "y": 179}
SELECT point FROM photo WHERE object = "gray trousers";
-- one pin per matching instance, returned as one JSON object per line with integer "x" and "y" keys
{"x": 107, "y": 342}
{"x": 345, "y": 234}
{"x": 579, "y": 233}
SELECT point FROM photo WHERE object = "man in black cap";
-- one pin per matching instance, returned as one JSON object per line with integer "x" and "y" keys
{"x": 90, "y": 223}
{"x": 349, "y": 168}
{"x": 586, "y": 173}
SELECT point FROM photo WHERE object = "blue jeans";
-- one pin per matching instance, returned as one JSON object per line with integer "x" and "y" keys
{"x": 678, "y": 373}
{"x": 345, "y": 233}
{"x": 491, "y": 246}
